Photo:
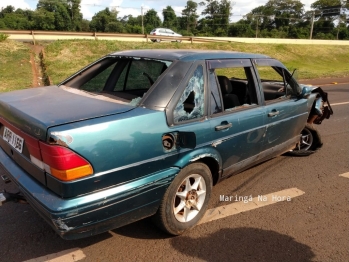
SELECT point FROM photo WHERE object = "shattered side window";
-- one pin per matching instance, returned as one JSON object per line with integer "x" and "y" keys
{"x": 276, "y": 81}
{"x": 191, "y": 103}
{"x": 215, "y": 98}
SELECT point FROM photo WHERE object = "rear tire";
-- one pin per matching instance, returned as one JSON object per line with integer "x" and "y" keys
{"x": 186, "y": 199}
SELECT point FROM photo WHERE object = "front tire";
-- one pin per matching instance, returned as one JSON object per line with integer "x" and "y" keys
{"x": 186, "y": 199}
{"x": 309, "y": 142}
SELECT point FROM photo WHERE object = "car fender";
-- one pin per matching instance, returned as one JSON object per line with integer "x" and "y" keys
{"x": 319, "y": 106}
{"x": 199, "y": 154}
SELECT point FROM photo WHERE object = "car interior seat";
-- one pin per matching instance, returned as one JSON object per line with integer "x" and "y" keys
{"x": 240, "y": 89}
{"x": 229, "y": 100}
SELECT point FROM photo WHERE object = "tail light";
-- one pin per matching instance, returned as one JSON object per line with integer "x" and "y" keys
{"x": 154, "y": 33}
{"x": 62, "y": 163}
{"x": 59, "y": 161}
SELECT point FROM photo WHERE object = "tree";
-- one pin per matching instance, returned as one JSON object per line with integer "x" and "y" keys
{"x": 131, "y": 24}
{"x": 323, "y": 4}
{"x": 85, "y": 25}
{"x": 278, "y": 18}
{"x": 7, "y": 10}
{"x": 15, "y": 19}
{"x": 151, "y": 20}
{"x": 57, "y": 9}
{"x": 324, "y": 27}
{"x": 210, "y": 12}
{"x": 242, "y": 28}
{"x": 76, "y": 15}
{"x": 189, "y": 17}
{"x": 225, "y": 9}
{"x": 115, "y": 27}
{"x": 43, "y": 20}
{"x": 2, "y": 24}
{"x": 217, "y": 14}
{"x": 102, "y": 19}
{"x": 170, "y": 18}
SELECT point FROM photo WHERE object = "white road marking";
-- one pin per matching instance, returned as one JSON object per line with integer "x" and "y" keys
{"x": 337, "y": 104}
{"x": 256, "y": 202}
{"x": 345, "y": 175}
{"x": 68, "y": 255}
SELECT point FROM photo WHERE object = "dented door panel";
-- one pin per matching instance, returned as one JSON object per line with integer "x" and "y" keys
{"x": 284, "y": 120}
{"x": 242, "y": 138}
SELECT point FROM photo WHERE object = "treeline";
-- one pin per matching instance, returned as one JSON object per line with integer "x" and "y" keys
{"x": 275, "y": 19}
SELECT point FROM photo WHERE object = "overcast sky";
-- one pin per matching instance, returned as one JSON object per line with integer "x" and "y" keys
{"x": 133, "y": 7}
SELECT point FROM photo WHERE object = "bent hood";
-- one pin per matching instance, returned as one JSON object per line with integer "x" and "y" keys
{"x": 35, "y": 110}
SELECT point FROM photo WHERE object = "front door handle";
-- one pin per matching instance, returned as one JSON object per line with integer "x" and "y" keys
{"x": 224, "y": 126}
{"x": 273, "y": 113}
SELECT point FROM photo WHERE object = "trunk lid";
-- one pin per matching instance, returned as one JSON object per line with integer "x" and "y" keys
{"x": 37, "y": 109}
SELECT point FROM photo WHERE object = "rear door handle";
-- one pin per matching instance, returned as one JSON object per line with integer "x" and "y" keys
{"x": 273, "y": 113}
{"x": 224, "y": 126}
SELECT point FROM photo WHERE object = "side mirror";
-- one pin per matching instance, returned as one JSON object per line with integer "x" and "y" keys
{"x": 306, "y": 90}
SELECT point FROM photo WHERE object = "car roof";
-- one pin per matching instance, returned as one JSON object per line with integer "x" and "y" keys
{"x": 186, "y": 54}
{"x": 161, "y": 28}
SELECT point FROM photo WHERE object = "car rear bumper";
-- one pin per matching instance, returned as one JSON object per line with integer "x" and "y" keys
{"x": 96, "y": 212}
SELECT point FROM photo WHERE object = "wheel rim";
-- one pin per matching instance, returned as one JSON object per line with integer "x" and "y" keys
{"x": 190, "y": 197}
{"x": 306, "y": 140}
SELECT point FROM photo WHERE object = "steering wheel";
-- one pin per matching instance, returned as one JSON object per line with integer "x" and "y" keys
{"x": 151, "y": 81}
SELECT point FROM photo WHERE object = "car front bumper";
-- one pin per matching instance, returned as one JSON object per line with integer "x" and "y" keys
{"x": 96, "y": 212}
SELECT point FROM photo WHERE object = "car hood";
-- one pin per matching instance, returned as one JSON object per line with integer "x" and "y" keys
{"x": 35, "y": 110}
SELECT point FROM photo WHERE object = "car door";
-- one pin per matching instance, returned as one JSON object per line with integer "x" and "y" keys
{"x": 285, "y": 112}
{"x": 162, "y": 32}
{"x": 236, "y": 115}
{"x": 169, "y": 32}
{"x": 186, "y": 111}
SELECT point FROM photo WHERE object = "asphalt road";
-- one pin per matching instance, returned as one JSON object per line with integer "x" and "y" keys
{"x": 311, "y": 227}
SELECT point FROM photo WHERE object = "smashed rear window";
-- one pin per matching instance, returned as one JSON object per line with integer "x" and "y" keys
{"x": 123, "y": 79}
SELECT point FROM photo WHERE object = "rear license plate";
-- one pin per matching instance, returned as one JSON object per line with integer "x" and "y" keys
{"x": 14, "y": 140}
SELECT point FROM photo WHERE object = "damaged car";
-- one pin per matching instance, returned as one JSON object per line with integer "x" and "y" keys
{"x": 149, "y": 132}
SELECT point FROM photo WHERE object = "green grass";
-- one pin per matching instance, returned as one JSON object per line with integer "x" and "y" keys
{"x": 66, "y": 57}
{"x": 15, "y": 67}
{"x": 3, "y": 37}
{"x": 63, "y": 58}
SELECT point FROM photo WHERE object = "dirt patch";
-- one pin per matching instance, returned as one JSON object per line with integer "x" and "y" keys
{"x": 36, "y": 65}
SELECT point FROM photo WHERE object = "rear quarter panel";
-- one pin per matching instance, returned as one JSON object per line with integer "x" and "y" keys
{"x": 125, "y": 147}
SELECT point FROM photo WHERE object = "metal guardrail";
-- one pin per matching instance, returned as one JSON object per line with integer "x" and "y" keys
{"x": 33, "y": 35}
{"x": 97, "y": 35}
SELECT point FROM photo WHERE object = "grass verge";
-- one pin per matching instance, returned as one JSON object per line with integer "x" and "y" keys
{"x": 15, "y": 66}
{"x": 63, "y": 58}
{"x": 66, "y": 57}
